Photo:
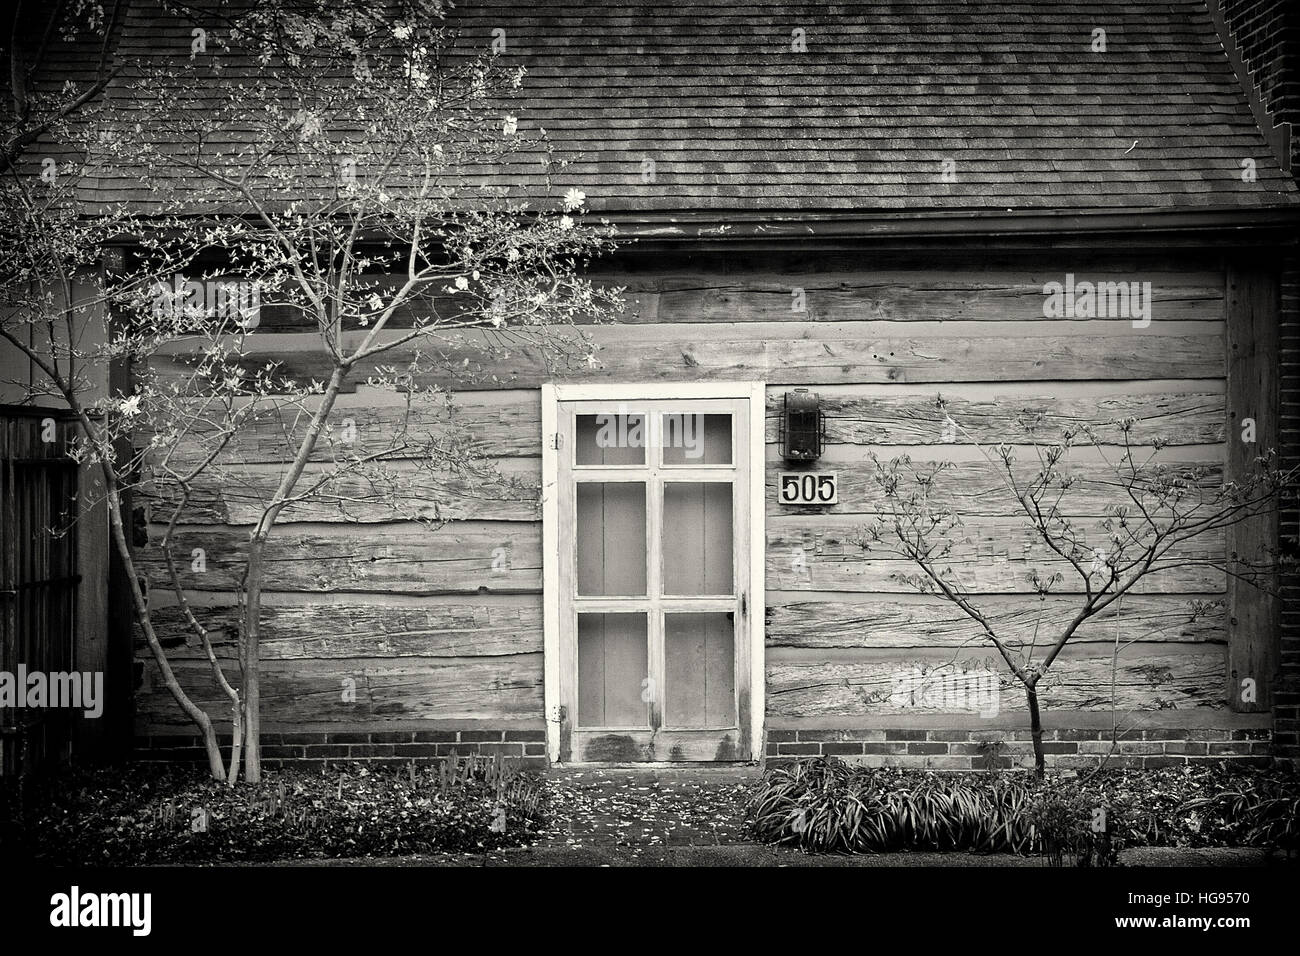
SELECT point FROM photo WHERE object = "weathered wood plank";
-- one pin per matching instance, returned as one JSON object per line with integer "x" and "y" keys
{"x": 881, "y": 418}
{"x": 347, "y": 630}
{"x": 900, "y": 297}
{"x": 884, "y": 623}
{"x": 1145, "y": 679}
{"x": 396, "y": 491}
{"x": 991, "y": 555}
{"x": 644, "y": 746}
{"x": 94, "y": 650}
{"x": 474, "y": 688}
{"x": 463, "y": 557}
{"x": 779, "y": 353}
{"x": 969, "y": 488}
{"x": 1253, "y": 357}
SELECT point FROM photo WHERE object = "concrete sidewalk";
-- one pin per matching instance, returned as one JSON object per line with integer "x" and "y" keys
{"x": 755, "y": 855}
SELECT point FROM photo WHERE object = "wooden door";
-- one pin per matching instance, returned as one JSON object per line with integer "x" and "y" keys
{"x": 653, "y": 512}
{"x": 38, "y": 577}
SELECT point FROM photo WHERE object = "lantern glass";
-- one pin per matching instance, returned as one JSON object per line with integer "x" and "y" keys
{"x": 802, "y": 426}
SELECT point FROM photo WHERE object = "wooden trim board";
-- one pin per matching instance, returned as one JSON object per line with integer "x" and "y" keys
{"x": 557, "y": 563}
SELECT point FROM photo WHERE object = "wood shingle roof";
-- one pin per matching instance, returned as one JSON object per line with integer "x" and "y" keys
{"x": 926, "y": 105}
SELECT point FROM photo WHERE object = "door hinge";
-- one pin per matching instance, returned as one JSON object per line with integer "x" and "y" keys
{"x": 556, "y": 441}
{"x": 744, "y": 605}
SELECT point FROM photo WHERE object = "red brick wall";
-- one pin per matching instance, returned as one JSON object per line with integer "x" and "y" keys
{"x": 388, "y": 747}
{"x": 1286, "y": 696}
{"x": 1266, "y": 34}
{"x": 989, "y": 749}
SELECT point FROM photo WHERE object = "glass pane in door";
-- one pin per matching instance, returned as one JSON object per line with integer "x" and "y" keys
{"x": 611, "y": 538}
{"x": 696, "y": 439}
{"x": 699, "y": 676}
{"x": 610, "y": 439}
{"x": 697, "y": 538}
{"x": 612, "y": 670}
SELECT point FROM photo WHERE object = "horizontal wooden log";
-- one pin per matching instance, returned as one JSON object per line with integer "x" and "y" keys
{"x": 779, "y": 353}
{"x": 933, "y": 622}
{"x": 346, "y": 691}
{"x": 843, "y": 295}
{"x": 347, "y": 630}
{"x": 899, "y": 297}
{"x": 973, "y": 488}
{"x": 497, "y": 425}
{"x": 463, "y": 557}
{"x": 993, "y": 555}
{"x": 393, "y": 491}
{"x": 990, "y": 555}
{"x": 881, "y": 418}
{"x": 400, "y": 491}
{"x": 1145, "y": 680}
{"x": 896, "y": 295}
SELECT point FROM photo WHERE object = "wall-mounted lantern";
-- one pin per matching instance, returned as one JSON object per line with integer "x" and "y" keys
{"x": 803, "y": 426}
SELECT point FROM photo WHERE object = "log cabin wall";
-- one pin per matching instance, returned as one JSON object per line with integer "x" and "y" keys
{"x": 439, "y": 632}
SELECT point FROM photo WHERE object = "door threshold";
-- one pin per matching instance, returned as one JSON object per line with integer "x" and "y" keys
{"x": 658, "y": 765}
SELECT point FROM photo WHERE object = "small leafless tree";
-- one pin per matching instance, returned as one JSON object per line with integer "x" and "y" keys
{"x": 1158, "y": 509}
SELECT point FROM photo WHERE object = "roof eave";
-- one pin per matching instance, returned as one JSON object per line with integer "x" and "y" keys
{"x": 1249, "y": 224}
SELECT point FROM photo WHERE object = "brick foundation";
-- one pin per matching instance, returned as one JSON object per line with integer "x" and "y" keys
{"x": 1286, "y": 688}
{"x": 1007, "y": 749}
{"x": 525, "y": 748}
{"x": 918, "y": 748}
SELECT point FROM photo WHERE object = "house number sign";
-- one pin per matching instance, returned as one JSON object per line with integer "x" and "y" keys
{"x": 807, "y": 488}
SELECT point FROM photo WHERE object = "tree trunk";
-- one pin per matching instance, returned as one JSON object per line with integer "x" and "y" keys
{"x": 250, "y": 651}
{"x": 141, "y": 605}
{"x": 250, "y": 661}
{"x": 1036, "y": 730}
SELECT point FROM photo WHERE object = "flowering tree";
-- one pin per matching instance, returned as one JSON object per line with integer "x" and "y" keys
{"x": 327, "y": 161}
{"x": 35, "y": 39}
{"x": 1157, "y": 511}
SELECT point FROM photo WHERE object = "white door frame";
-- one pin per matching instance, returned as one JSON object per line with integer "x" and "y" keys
{"x": 552, "y": 395}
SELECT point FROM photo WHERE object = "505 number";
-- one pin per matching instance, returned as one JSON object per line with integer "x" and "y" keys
{"x": 808, "y": 488}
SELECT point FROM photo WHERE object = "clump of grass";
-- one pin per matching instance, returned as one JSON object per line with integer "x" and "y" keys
{"x": 1259, "y": 810}
{"x": 824, "y": 805}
